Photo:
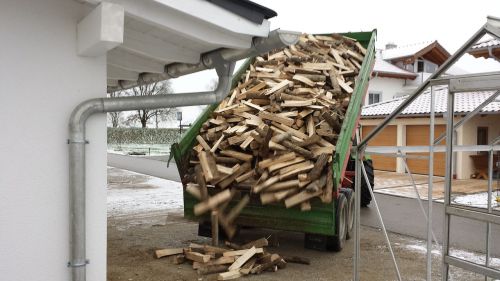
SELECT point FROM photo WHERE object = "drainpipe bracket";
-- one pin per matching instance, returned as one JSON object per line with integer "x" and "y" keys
{"x": 84, "y": 142}
{"x": 70, "y": 264}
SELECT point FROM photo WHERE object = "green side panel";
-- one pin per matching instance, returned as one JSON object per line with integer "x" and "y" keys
{"x": 321, "y": 218}
{"x": 347, "y": 133}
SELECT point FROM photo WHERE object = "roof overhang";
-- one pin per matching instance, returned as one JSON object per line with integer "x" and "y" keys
{"x": 433, "y": 52}
{"x": 394, "y": 75}
{"x": 159, "y": 33}
{"x": 486, "y": 52}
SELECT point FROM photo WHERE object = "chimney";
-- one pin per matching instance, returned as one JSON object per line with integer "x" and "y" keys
{"x": 390, "y": 45}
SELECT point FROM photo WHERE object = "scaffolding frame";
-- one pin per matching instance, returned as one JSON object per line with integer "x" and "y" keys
{"x": 455, "y": 84}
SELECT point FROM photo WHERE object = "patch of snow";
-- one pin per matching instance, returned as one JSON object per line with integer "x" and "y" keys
{"x": 475, "y": 257}
{"x": 153, "y": 195}
{"x": 479, "y": 200}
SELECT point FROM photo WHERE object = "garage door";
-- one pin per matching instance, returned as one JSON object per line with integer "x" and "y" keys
{"x": 388, "y": 137}
{"x": 419, "y": 135}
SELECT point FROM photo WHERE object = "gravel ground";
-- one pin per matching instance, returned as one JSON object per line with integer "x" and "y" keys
{"x": 145, "y": 214}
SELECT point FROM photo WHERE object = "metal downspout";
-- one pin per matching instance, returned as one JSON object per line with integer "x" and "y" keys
{"x": 222, "y": 60}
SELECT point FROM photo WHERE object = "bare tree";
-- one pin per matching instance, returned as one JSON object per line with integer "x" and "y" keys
{"x": 115, "y": 118}
{"x": 144, "y": 116}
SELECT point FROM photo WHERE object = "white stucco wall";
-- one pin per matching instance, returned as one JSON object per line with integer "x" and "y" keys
{"x": 389, "y": 87}
{"x": 42, "y": 79}
{"x": 469, "y": 137}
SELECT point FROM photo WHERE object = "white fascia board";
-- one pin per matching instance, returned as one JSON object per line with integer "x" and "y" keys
{"x": 117, "y": 73}
{"x": 101, "y": 30}
{"x": 126, "y": 60}
{"x": 218, "y": 16}
{"x": 155, "y": 48}
{"x": 188, "y": 26}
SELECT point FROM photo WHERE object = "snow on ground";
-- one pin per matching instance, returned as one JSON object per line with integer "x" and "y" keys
{"x": 147, "y": 149}
{"x": 475, "y": 257}
{"x": 153, "y": 194}
{"x": 479, "y": 200}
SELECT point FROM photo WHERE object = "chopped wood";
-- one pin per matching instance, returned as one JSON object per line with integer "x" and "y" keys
{"x": 212, "y": 202}
{"x": 194, "y": 256}
{"x": 276, "y": 131}
{"x": 237, "y": 155}
{"x": 300, "y": 197}
{"x": 297, "y": 259}
{"x": 209, "y": 269}
{"x": 259, "y": 243}
{"x": 168, "y": 252}
{"x": 316, "y": 172}
{"x": 218, "y": 261}
{"x": 229, "y": 275}
{"x": 207, "y": 162}
{"x": 203, "y": 143}
{"x": 243, "y": 259}
{"x": 241, "y": 252}
{"x": 194, "y": 190}
{"x": 178, "y": 259}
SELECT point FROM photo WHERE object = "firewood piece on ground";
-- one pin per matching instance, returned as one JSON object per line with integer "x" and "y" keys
{"x": 243, "y": 259}
{"x": 168, "y": 252}
{"x": 194, "y": 256}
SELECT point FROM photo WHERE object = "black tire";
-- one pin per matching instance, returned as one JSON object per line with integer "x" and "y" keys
{"x": 366, "y": 196}
{"x": 337, "y": 242}
{"x": 349, "y": 194}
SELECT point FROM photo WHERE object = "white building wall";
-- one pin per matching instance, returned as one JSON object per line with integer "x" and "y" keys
{"x": 42, "y": 79}
{"x": 470, "y": 137}
{"x": 389, "y": 87}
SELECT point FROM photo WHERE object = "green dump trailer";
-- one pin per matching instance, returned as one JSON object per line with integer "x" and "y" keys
{"x": 321, "y": 223}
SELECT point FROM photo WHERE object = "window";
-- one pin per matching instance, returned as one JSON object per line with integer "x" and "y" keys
{"x": 482, "y": 136}
{"x": 374, "y": 98}
{"x": 420, "y": 66}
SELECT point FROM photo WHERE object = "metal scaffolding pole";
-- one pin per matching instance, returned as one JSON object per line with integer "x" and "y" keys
{"x": 430, "y": 187}
{"x": 357, "y": 213}
{"x": 381, "y": 220}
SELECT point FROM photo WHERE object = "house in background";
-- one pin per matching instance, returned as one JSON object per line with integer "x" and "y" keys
{"x": 411, "y": 128}
{"x": 398, "y": 71}
{"x": 487, "y": 49}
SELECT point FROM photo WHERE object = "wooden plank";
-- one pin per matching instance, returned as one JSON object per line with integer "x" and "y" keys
{"x": 276, "y": 118}
{"x": 282, "y": 84}
{"x": 236, "y": 210}
{"x": 298, "y": 103}
{"x": 200, "y": 179}
{"x": 275, "y": 160}
{"x": 194, "y": 256}
{"x": 168, "y": 252}
{"x": 243, "y": 259}
{"x": 207, "y": 163}
{"x": 218, "y": 261}
{"x": 304, "y": 80}
{"x": 229, "y": 275}
{"x": 217, "y": 143}
{"x": 283, "y": 185}
{"x": 282, "y": 164}
{"x": 252, "y": 105}
{"x": 316, "y": 172}
{"x": 344, "y": 86}
{"x": 300, "y": 197}
{"x": 241, "y": 252}
{"x": 203, "y": 143}
{"x": 238, "y": 155}
{"x": 212, "y": 202}
{"x": 194, "y": 190}
{"x": 245, "y": 176}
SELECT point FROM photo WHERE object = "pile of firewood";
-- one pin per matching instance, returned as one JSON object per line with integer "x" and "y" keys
{"x": 237, "y": 261}
{"x": 274, "y": 135}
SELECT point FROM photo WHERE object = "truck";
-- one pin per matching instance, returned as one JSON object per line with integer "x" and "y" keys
{"x": 326, "y": 226}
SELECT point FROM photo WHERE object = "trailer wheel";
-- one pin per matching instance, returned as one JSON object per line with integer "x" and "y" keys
{"x": 349, "y": 194}
{"x": 366, "y": 196}
{"x": 338, "y": 241}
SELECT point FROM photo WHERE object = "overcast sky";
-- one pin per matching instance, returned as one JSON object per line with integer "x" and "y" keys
{"x": 400, "y": 22}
